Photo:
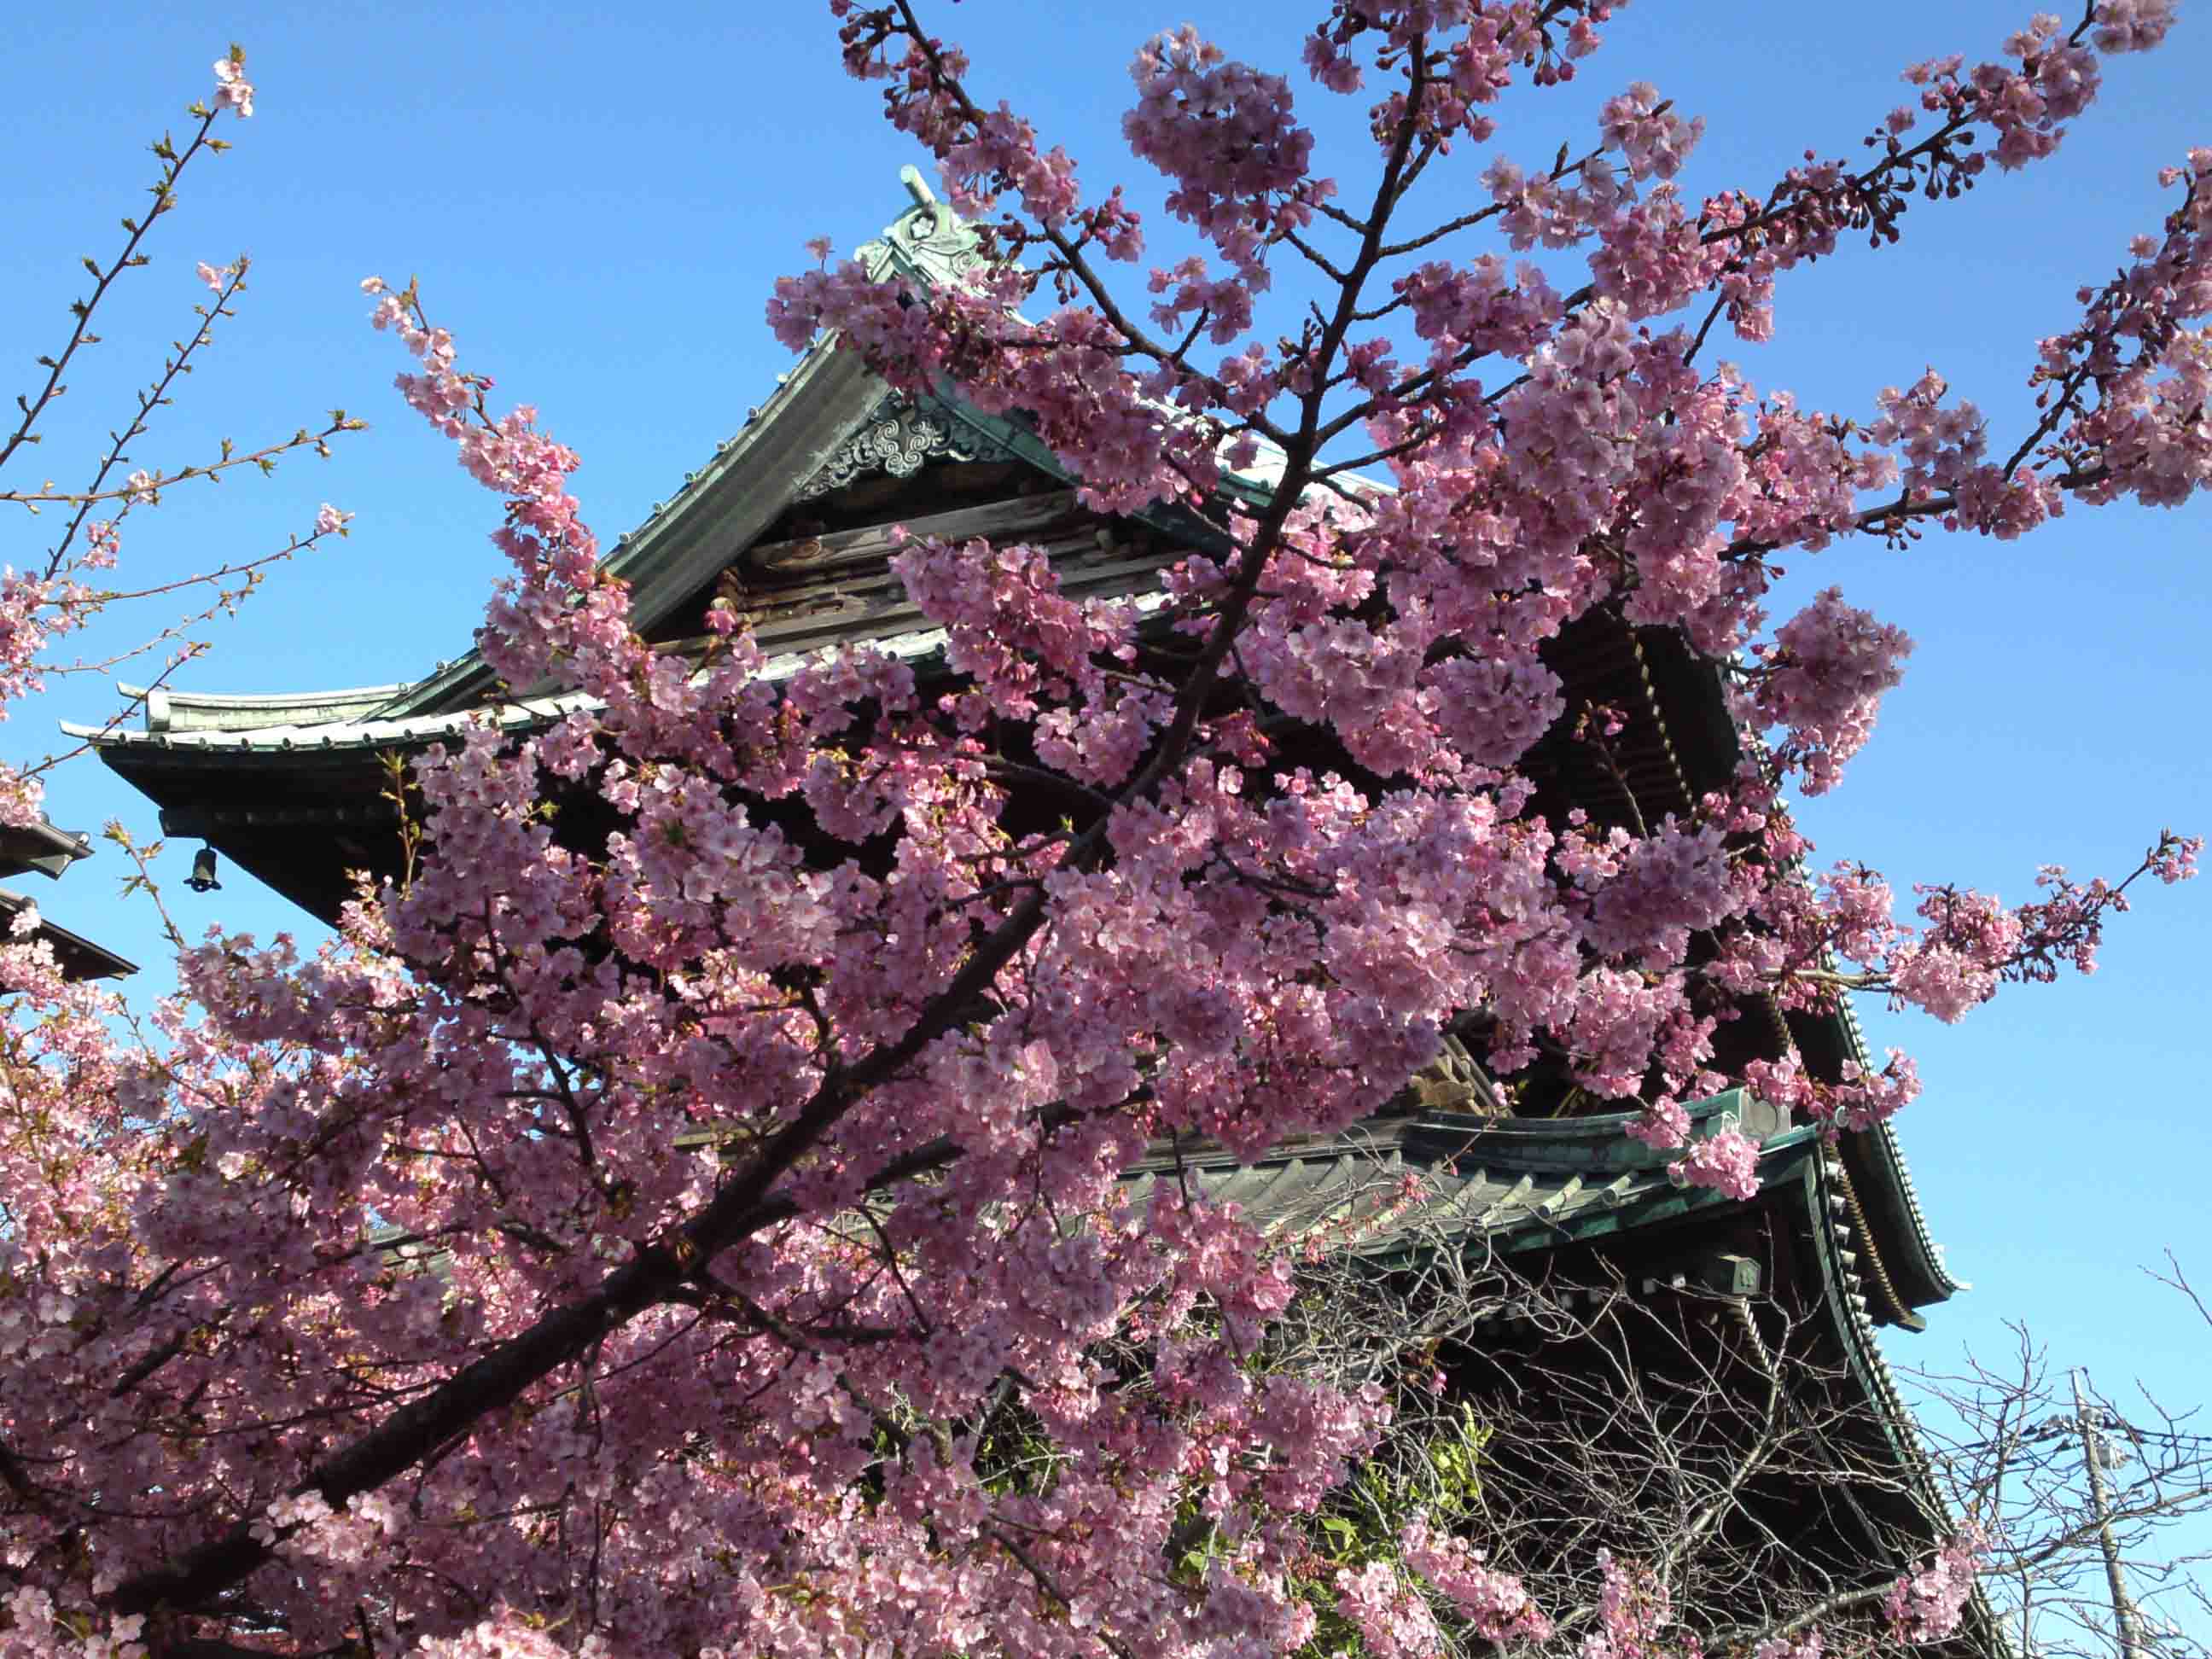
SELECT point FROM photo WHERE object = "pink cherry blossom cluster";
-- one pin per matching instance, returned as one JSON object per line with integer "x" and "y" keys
{"x": 2024, "y": 103}
{"x": 1644, "y": 129}
{"x": 561, "y": 616}
{"x": 2056, "y": 81}
{"x": 1494, "y": 708}
{"x": 35, "y": 611}
{"x": 1954, "y": 966}
{"x": 1942, "y": 446}
{"x": 1925, "y": 1605}
{"x": 233, "y": 91}
{"x": 1474, "y": 311}
{"x": 1471, "y": 50}
{"x": 1393, "y": 1618}
{"x": 1859, "y": 1101}
{"x": 1224, "y": 136}
{"x": 1537, "y": 210}
{"x": 1634, "y": 1609}
{"x": 1823, "y": 678}
{"x": 982, "y": 154}
{"x": 2131, "y": 25}
{"x": 2174, "y": 858}
{"x": 1726, "y": 1161}
{"x": 2141, "y": 434}
{"x": 1494, "y": 1604}
{"x": 1970, "y": 943}
{"x": 1650, "y": 257}
{"x": 1009, "y": 629}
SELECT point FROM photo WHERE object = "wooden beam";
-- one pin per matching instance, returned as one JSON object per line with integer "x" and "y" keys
{"x": 1023, "y": 515}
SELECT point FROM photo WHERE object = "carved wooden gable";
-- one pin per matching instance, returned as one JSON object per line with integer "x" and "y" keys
{"x": 819, "y": 573}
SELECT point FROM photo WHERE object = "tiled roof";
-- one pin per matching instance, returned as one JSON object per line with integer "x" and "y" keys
{"x": 1392, "y": 1182}
{"x": 524, "y": 714}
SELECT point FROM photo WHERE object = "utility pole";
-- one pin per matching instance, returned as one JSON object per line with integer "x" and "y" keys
{"x": 2123, "y": 1610}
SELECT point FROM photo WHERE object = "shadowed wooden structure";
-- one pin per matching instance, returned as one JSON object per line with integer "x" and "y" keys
{"x": 40, "y": 848}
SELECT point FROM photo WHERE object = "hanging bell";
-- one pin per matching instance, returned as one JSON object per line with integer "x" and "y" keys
{"x": 202, "y": 879}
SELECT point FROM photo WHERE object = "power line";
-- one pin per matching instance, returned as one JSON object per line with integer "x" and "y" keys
{"x": 2058, "y": 1428}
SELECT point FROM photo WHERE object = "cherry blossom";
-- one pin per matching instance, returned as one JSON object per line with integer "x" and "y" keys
{"x": 1822, "y": 679}
{"x": 1494, "y": 1604}
{"x": 1925, "y": 1605}
{"x": 233, "y": 91}
{"x": 713, "y": 1230}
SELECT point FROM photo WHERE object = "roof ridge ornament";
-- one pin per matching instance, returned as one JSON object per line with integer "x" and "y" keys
{"x": 929, "y": 241}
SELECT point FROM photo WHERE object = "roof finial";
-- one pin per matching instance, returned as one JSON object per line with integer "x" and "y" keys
{"x": 917, "y": 186}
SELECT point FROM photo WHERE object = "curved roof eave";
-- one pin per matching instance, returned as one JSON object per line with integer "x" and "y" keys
{"x": 822, "y": 400}
{"x": 1882, "y": 1160}
{"x": 720, "y": 508}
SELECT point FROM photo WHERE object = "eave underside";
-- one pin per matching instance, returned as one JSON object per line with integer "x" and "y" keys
{"x": 301, "y": 822}
{"x": 1584, "y": 1223}
{"x": 79, "y": 957}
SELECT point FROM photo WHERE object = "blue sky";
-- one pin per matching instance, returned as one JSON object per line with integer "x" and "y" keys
{"x": 597, "y": 200}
